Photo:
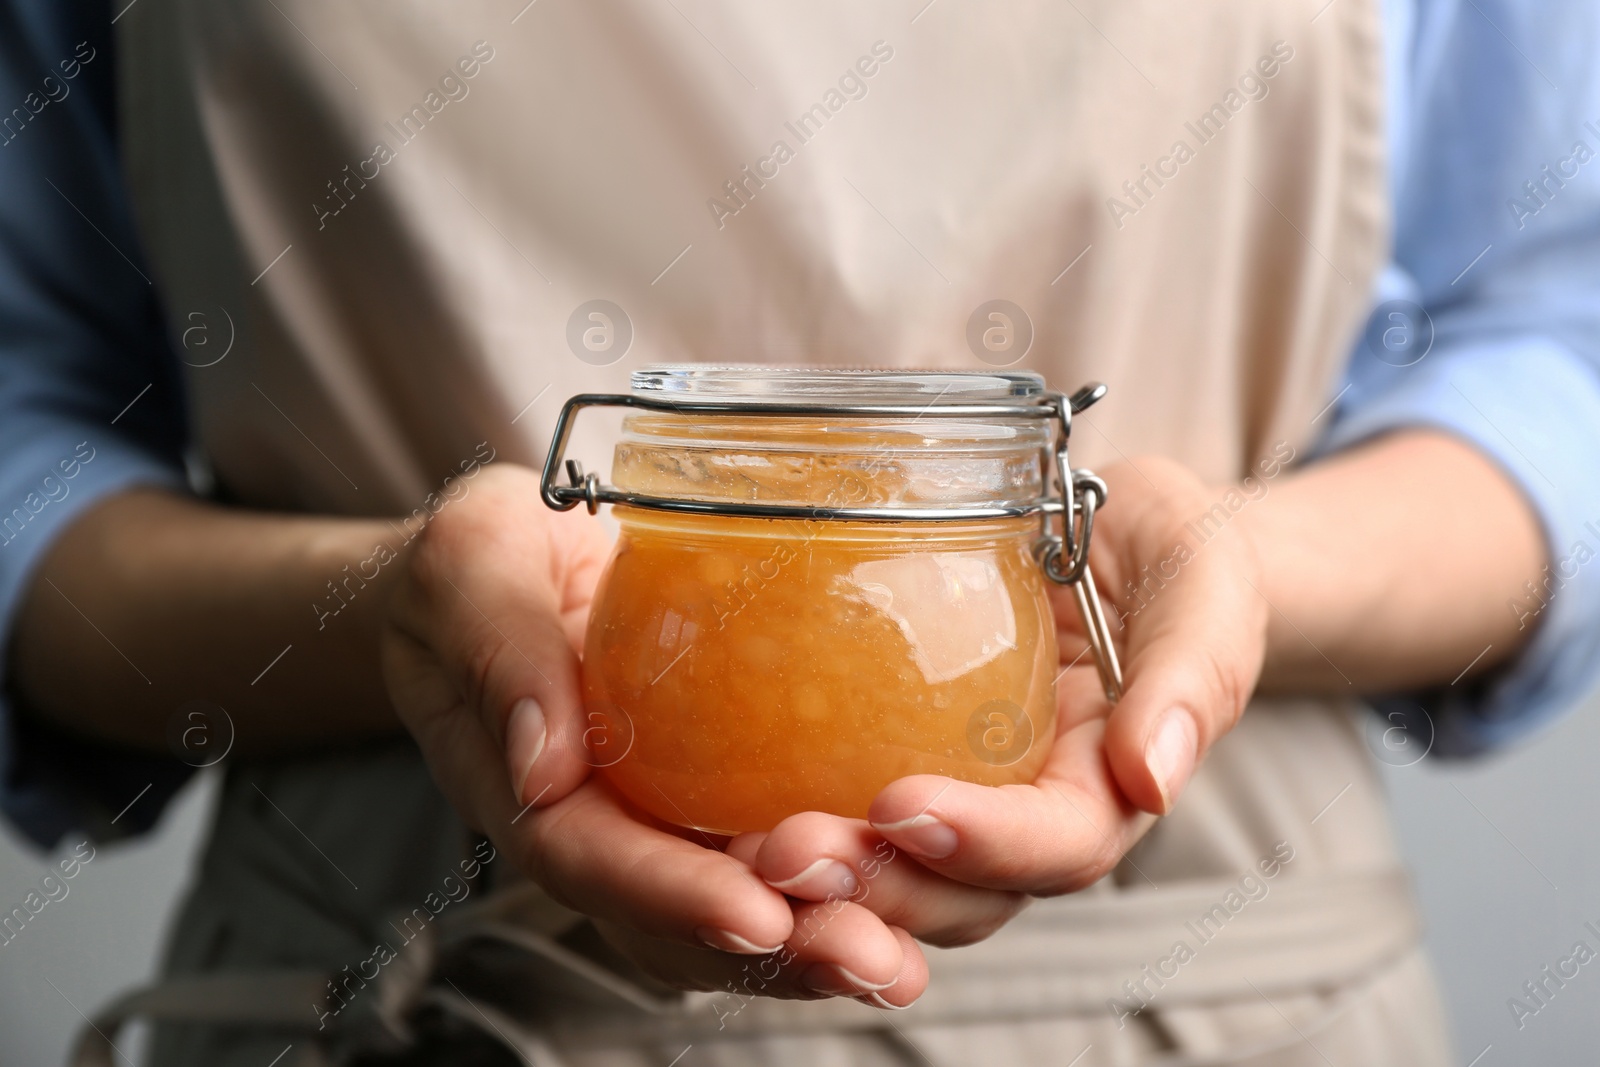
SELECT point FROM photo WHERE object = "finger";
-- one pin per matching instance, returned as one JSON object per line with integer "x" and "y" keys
{"x": 484, "y": 592}
{"x": 1064, "y": 832}
{"x": 909, "y": 984}
{"x": 837, "y": 950}
{"x": 821, "y": 857}
{"x": 463, "y": 759}
{"x": 1194, "y": 653}
{"x": 848, "y": 950}
{"x": 595, "y": 855}
{"x": 745, "y": 847}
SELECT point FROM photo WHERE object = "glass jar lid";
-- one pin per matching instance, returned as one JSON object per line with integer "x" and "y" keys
{"x": 700, "y": 383}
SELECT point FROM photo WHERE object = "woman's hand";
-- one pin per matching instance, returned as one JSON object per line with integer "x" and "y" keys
{"x": 1324, "y": 581}
{"x": 1192, "y": 649}
{"x": 480, "y": 655}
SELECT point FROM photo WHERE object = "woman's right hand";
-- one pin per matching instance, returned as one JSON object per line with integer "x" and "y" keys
{"x": 481, "y": 658}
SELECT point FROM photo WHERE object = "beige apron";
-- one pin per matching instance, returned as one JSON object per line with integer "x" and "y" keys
{"x": 396, "y": 211}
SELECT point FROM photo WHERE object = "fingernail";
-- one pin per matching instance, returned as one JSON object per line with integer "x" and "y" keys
{"x": 922, "y": 835}
{"x": 833, "y": 980}
{"x": 1170, "y": 755}
{"x": 823, "y": 880}
{"x": 525, "y": 736}
{"x": 875, "y": 1001}
{"x": 724, "y": 941}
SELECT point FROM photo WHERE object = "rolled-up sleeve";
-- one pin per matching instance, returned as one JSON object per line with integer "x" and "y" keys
{"x": 90, "y": 398}
{"x": 1487, "y": 324}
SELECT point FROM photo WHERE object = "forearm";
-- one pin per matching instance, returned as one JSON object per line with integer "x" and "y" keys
{"x": 152, "y": 600}
{"x": 1390, "y": 566}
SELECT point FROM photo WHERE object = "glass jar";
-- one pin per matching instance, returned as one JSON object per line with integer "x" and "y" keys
{"x": 824, "y": 580}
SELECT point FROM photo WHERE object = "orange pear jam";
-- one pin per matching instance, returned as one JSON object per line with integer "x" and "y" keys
{"x": 741, "y": 670}
{"x": 738, "y": 671}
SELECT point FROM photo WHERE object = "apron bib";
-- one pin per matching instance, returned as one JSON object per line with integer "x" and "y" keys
{"x": 402, "y": 214}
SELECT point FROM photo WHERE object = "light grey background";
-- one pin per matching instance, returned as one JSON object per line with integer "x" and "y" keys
{"x": 1506, "y": 854}
{"x": 103, "y": 937}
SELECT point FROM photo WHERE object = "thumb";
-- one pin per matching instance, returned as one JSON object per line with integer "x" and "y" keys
{"x": 1194, "y": 654}
{"x": 483, "y": 596}
{"x": 523, "y": 680}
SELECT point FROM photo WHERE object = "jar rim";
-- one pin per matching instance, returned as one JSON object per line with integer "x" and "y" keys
{"x": 755, "y": 384}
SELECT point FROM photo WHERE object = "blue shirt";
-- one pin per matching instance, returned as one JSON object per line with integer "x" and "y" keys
{"x": 1486, "y": 325}
{"x": 1494, "y": 143}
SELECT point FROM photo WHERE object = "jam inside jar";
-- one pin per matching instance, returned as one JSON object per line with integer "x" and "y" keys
{"x": 738, "y": 670}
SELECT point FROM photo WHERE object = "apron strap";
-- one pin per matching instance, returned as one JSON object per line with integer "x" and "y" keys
{"x": 410, "y": 993}
{"x": 278, "y": 1001}
{"x": 1312, "y": 933}
{"x": 266, "y": 998}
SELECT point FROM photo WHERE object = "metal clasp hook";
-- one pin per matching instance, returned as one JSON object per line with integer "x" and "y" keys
{"x": 1082, "y": 494}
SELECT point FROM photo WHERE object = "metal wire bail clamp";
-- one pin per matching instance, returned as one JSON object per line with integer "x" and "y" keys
{"x": 1082, "y": 493}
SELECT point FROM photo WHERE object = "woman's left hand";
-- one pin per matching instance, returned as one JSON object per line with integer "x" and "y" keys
{"x": 964, "y": 857}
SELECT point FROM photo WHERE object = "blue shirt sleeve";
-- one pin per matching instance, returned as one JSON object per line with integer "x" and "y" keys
{"x": 90, "y": 395}
{"x": 1487, "y": 324}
